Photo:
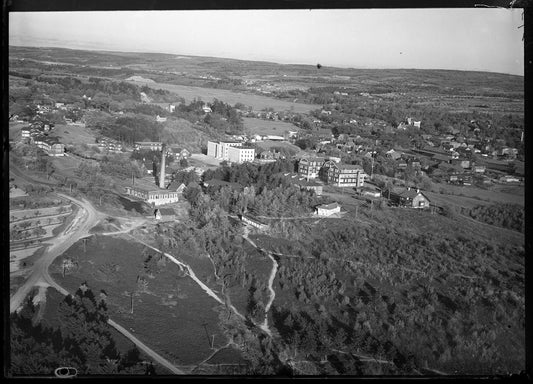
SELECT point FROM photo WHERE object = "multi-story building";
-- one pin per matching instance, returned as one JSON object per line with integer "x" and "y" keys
{"x": 220, "y": 149}
{"x": 310, "y": 167}
{"x": 148, "y": 145}
{"x": 241, "y": 154}
{"x": 50, "y": 145}
{"x": 145, "y": 189}
{"x": 343, "y": 175}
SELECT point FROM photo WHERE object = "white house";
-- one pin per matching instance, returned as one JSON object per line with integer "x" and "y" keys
{"x": 327, "y": 209}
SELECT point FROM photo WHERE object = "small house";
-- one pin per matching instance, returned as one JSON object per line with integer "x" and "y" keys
{"x": 407, "y": 197}
{"x": 327, "y": 209}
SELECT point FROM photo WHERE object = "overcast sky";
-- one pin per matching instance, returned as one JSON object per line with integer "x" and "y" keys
{"x": 466, "y": 39}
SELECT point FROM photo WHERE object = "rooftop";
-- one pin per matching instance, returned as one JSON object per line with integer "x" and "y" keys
{"x": 166, "y": 211}
{"x": 329, "y": 206}
{"x": 146, "y": 184}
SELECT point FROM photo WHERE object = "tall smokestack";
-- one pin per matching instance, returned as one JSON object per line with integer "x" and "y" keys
{"x": 162, "y": 171}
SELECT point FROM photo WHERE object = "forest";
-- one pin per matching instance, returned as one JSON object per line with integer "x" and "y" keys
{"x": 383, "y": 287}
{"x": 510, "y": 216}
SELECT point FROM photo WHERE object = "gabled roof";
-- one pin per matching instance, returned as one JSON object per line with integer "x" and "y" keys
{"x": 408, "y": 193}
{"x": 174, "y": 186}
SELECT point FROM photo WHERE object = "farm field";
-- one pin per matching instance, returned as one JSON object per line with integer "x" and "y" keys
{"x": 493, "y": 195}
{"x": 267, "y": 127}
{"x": 257, "y": 102}
{"x": 113, "y": 264}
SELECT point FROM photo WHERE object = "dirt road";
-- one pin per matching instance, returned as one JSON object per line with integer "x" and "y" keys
{"x": 85, "y": 219}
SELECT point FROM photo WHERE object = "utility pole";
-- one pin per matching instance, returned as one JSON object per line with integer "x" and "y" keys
{"x": 207, "y": 333}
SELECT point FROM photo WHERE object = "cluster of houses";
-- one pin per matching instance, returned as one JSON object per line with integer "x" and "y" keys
{"x": 109, "y": 145}
{"x": 177, "y": 151}
{"x": 38, "y": 134}
{"x": 332, "y": 171}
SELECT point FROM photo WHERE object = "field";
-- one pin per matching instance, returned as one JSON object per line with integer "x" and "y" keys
{"x": 208, "y": 94}
{"x": 469, "y": 195}
{"x": 15, "y": 130}
{"x": 267, "y": 127}
{"x": 73, "y": 134}
{"x": 177, "y": 331}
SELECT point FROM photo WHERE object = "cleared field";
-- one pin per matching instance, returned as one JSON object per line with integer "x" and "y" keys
{"x": 470, "y": 194}
{"x": 208, "y": 94}
{"x": 67, "y": 165}
{"x": 72, "y": 134}
{"x": 267, "y": 127}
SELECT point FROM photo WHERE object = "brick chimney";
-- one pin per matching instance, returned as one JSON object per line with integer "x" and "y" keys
{"x": 162, "y": 170}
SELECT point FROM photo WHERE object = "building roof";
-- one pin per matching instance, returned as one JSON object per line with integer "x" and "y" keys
{"x": 349, "y": 166}
{"x": 315, "y": 159}
{"x": 408, "y": 193}
{"x": 329, "y": 206}
{"x": 253, "y": 219}
{"x": 174, "y": 185}
{"x": 166, "y": 211}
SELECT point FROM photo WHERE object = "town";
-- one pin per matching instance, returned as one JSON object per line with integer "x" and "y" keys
{"x": 304, "y": 223}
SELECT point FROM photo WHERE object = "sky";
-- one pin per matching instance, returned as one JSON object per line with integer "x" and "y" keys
{"x": 478, "y": 39}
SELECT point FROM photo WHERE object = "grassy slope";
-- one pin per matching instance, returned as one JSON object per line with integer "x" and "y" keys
{"x": 182, "y": 307}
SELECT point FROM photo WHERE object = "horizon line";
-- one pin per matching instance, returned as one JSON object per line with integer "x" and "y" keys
{"x": 335, "y": 66}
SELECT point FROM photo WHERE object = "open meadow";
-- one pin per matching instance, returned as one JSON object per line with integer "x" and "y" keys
{"x": 257, "y": 102}
{"x": 267, "y": 127}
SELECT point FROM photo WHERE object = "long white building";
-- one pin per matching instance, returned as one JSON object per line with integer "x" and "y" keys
{"x": 220, "y": 149}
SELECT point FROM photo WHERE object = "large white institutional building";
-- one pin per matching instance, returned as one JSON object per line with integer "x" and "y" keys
{"x": 230, "y": 151}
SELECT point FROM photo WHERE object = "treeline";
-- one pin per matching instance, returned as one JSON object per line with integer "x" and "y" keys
{"x": 264, "y": 191}
{"x": 130, "y": 129}
{"x": 83, "y": 340}
{"x": 223, "y": 118}
{"x": 252, "y": 174}
{"x": 505, "y": 215}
